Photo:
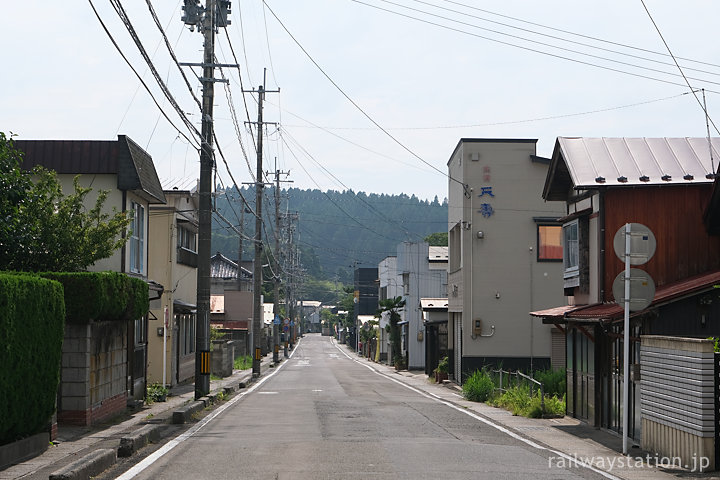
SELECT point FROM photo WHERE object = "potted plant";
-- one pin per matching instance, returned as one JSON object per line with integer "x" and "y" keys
{"x": 441, "y": 372}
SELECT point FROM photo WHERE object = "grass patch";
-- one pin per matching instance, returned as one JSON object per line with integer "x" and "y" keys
{"x": 243, "y": 363}
{"x": 517, "y": 398}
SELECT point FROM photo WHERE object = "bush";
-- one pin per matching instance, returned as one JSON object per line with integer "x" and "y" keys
{"x": 242, "y": 363}
{"x": 156, "y": 393}
{"x": 518, "y": 401}
{"x": 443, "y": 365}
{"x": 553, "y": 381}
{"x": 32, "y": 322}
{"x": 479, "y": 386}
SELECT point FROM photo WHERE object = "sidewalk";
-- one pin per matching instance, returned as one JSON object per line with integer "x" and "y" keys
{"x": 565, "y": 439}
{"x": 73, "y": 443}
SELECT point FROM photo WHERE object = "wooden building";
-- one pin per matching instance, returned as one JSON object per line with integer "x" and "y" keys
{"x": 665, "y": 184}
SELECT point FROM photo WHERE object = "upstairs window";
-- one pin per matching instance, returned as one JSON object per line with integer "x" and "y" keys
{"x": 550, "y": 244}
{"x": 137, "y": 238}
{"x": 186, "y": 239}
{"x": 571, "y": 248}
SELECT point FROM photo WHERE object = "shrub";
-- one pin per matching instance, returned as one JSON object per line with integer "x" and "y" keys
{"x": 32, "y": 321}
{"x": 156, "y": 393}
{"x": 553, "y": 381}
{"x": 443, "y": 365}
{"x": 479, "y": 386}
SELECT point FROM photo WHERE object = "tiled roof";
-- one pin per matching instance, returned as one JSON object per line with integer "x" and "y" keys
{"x": 223, "y": 267}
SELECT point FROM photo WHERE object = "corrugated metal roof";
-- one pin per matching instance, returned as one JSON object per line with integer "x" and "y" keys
{"x": 594, "y": 162}
{"x": 611, "y": 311}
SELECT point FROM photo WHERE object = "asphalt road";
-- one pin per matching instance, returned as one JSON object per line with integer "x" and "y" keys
{"x": 325, "y": 415}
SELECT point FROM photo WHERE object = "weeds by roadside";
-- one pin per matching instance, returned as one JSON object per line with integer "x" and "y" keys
{"x": 518, "y": 398}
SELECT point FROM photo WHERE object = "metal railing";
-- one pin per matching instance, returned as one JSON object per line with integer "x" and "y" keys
{"x": 519, "y": 375}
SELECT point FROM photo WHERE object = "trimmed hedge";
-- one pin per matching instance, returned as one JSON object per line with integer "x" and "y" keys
{"x": 32, "y": 322}
{"x": 107, "y": 296}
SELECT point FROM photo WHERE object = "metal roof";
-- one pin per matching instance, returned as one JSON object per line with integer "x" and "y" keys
{"x": 122, "y": 157}
{"x": 612, "y": 311}
{"x": 586, "y": 163}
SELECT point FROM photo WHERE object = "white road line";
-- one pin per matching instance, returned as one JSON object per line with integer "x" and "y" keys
{"x": 482, "y": 419}
{"x": 150, "y": 459}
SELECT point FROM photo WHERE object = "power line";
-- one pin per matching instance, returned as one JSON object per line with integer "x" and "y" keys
{"x": 117, "y": 47}
{"x": 534, "y": 50}
{"x": 707, "y": 115}
{"x": 347, "y": 97}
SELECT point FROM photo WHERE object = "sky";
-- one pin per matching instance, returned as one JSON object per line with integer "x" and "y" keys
{"x": 374, "y": 94}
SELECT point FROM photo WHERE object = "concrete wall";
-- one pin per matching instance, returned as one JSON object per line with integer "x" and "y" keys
{"x": 222, "y": 358}
{"x": 93, "y": 382}
{"x": 677, "y": 398}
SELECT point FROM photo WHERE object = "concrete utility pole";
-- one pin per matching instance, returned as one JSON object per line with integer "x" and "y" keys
{"x": 206, "y": 20}
{"x": 276, "y": 283}
{"x": 257, "y": 264}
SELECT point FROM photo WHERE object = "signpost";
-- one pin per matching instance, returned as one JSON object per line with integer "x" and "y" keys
{"x": 638, "y": 290}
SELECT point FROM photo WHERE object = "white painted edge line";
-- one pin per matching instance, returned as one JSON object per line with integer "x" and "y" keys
{"x": 152, "y": 458}
{"x": 482, "y": 419}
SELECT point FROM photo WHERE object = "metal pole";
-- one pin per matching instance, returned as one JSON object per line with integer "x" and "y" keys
{"x": 202, "y": 332}
{"x": 626, "y": 341}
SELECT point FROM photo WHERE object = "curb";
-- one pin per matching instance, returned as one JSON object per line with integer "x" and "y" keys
{"x": 138, "y": 439}
{"x": 182, "y": 415}
{"x": 87, "y": 466}
{"x": 24, "y": 449}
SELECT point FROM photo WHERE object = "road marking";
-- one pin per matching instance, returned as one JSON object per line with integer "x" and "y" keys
{"x": 303, "y": 363}
{"x": 152, "y": 458}
{"x": 316, "y": 390}
{"x": 484, "y": 420}
{"x": 268, "y": 393}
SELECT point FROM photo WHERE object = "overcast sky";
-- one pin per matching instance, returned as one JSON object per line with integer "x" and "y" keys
{"x": 432, "y": 72}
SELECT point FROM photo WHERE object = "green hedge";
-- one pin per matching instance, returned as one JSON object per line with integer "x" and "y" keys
{"x": 102, "y": 296}
{"x": 32, "y": 321}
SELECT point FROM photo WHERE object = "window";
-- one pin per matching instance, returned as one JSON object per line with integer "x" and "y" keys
{"x": 186, "y": 323}
{"x": 141, "y": 331}
{"x": 186, "y": 239}
{"x": 454, "y": 250}
{"x": 571, "y": 247}
{"x": 406, "y": 283}
{"x": 137, "y": 238}
{"x": 550, "y": 247}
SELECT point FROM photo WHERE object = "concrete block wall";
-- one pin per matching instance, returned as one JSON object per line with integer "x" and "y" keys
{"x": 222, "y": 358}
{"x": 93, "y": 383}
{"x": 677, "y": 389}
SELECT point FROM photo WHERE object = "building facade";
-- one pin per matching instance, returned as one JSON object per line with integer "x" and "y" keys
{"x": 505, "y": 255}
{"x": 172, "y": 262}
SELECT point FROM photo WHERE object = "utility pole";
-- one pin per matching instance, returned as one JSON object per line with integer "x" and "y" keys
{"x": 257, "y": 264}
{"x": 276, "y": 283}
{"x": 207, "y": 21}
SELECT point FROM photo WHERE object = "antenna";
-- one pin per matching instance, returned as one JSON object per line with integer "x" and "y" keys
{"x": 707, "y": 125}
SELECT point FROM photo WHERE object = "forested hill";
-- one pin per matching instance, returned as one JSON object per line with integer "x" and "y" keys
{"x": 336, "y": 229}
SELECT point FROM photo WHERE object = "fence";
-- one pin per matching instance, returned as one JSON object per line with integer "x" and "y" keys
{"x": 518, "y": 375}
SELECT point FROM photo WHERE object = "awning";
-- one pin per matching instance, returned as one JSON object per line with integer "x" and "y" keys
{"x": 428, "y": 304}
{"x": 664, "y": 295}
{"x": 183, "y": 307}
